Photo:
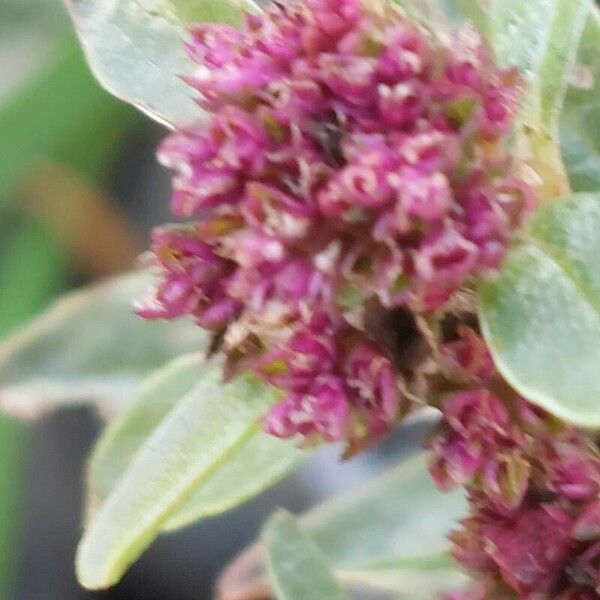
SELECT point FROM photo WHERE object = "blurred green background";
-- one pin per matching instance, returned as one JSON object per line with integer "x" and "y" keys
{"x": 61, "y": 141}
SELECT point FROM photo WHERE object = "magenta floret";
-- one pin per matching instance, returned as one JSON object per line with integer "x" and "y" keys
{"x": 348, "y": 155}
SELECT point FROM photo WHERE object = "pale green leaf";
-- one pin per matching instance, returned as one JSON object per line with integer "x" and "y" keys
{"x": 420, "y": 578}
{"x": 541, "y": 317}
{"x": 392, "y": 535}
{"x": 474, "y": 11}
{"x": 196, "y": 438}
{"x": 256, "y": 465}
{"x": 580, "y": 121}
{"x": 136, "y": 49}
{"x": 88, "y": 347}
{"x": 541, "y": 38}
{"x": 125, "y": 435}
{"x": 297, "y": 568}
{"x": 389, "y": 536}
{"x": 400, "y": 515}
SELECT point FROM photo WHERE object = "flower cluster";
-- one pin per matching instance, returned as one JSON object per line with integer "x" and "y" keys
{"x": 340, "y": 385}
{"x": 532, "y": 484}
{"x": 349, "y": 154}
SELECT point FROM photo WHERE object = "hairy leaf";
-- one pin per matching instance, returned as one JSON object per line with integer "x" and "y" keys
{"x": 297, "y": 568}
{"x": 541, "y": 317}
{"x": 257, "y": 464}
{"x": 136, "y": 49}
{"x": 580, "y": 121}
{"x": 88, "y": 347}
{"x": 197, "y": 438}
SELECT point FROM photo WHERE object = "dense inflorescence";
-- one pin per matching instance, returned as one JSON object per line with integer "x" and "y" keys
{"x": 350, "y": 181}
{"x": 532, "y": 483}
{"x": 348, "y": 154}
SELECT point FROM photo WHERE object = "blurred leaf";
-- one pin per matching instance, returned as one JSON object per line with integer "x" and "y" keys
{"x": 58, "y": 114}
{"x": 24, "y": 48}
{"x": 541, "y": 38}
{"x": 389, "y": 535}
{"x": 541, "y": 317}
{"x": 31, "y": 270}
{"x": 474, "y": 11}
{"x": 136, "y": 49}
{"x": 257, "y": 464}
{"x": 580, "y": 122}
{"x": 296, "y": 566}
{"x": 431, "y": 12}
{"x": 88, "y": 347}
{"x": 400, "y": 515}
{"x": 47, "y": 12}
{"x": 420, "y": 578}
{"x": 197, "y": 438}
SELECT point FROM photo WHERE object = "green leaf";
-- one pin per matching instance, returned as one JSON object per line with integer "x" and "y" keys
{"x": 541, "y": 38}
{"x": 541, "y": 317}
{"x": 136, "y": 49}
{"x": 89, "y": 347}
{"x": 400, "y": 515}
{"x": 389, "y": 536}
{"x": 473, "y": 11}
{"x": 32, "y": 266}
{"x": 580, "y": 121}
{"x": 296, "y": 566}
{"x": 197, "y": 438}
{"x": 420, "y": 578}
{"x": 257, "y": 464}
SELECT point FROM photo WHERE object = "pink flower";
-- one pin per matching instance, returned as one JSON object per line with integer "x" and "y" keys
{"x": 587, "y": 526}
{"x": 345, "y": 152}
{"x": 335, "y": 393}
{"x": 572, "y": 470}
{"x": 467, "y": 358}
{"x": 479, "y": 443}
{"x": 534, "y": 526}
{"x": 323, "y": 411}
{"x": 531, "y": 549}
